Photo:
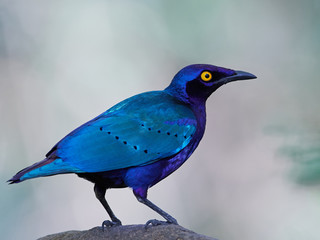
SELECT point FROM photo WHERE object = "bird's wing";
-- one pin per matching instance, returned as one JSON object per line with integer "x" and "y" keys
{"x": 136, "y": 132}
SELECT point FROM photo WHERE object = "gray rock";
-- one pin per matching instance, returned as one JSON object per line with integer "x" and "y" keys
{"x": 130, "y": 232}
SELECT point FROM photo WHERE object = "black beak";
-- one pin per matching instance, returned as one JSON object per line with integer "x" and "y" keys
{"x": 239, "y": 75}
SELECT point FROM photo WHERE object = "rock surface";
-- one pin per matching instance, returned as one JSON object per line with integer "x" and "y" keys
{"x": 130, "y": 232}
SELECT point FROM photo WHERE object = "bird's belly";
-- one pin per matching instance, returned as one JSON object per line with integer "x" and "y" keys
{"x": 135, "y": 177}
{"x": 148, "y": 175}
{"x": 110, "y": 179}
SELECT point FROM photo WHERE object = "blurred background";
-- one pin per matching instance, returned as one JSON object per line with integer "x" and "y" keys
{"x": 256, "y": 173}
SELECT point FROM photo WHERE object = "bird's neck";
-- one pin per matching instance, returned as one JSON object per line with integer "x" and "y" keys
{"x": 197, "y": 105}
{"x": 199, "y": 110}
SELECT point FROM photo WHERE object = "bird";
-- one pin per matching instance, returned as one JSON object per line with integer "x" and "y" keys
{"x": 139, "y": 141}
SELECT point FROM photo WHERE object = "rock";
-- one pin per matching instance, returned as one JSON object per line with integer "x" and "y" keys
{"x": 130, "y": 232}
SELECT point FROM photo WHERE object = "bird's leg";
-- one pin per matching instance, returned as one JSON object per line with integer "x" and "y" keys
{"x": 100, "y": 192}
{"x": 154, "y": 222}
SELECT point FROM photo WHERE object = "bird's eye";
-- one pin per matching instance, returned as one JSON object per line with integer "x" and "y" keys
{"x": 206, "y": 76}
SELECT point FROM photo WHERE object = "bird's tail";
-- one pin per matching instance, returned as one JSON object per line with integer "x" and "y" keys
{"x": 47, "y": 167}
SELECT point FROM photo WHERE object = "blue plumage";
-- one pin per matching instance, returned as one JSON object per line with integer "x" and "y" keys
{"x": 140, "y": 140}
{"x": 136, "y": 132}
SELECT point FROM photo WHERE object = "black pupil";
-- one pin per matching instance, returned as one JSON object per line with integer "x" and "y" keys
{"x": 207, "y": 75}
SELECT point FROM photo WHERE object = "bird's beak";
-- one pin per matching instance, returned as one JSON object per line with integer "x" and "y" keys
{"x": 239, "y": 75}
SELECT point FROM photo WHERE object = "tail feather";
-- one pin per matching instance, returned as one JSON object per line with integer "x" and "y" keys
{"x": 47, "y": 167}
{"x": 17, "y": 178}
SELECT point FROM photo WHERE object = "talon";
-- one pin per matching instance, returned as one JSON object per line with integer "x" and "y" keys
{"x": 155, "y": 222}
{"x": 108, "y": 223}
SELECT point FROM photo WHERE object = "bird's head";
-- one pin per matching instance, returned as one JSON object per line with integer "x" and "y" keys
{"x": 197, "y": 82}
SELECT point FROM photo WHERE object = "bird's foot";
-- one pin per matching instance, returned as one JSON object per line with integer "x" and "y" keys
{"x": 155, "y": 222}
{"x": 108, "y": 223}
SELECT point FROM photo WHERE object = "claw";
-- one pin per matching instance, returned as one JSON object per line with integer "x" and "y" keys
{"x": 155, "y": 222}
{"x": 108, "y": 223}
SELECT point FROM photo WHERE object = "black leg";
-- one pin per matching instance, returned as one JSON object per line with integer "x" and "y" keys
{"x": 100, "y": 192}
{"x": 165, "y": 215}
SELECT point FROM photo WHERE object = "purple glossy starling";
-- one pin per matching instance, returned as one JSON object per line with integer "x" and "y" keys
{"x": 139, "y": 141}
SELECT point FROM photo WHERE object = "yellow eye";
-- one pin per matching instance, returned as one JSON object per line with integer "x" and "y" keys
{"x": 206, "y": 76}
